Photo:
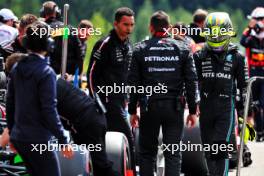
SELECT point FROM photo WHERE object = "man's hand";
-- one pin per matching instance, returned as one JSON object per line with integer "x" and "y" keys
{"x": 4, "y": 140}
{"x": 198, "y": 111}
{"x": 134, "y": 120}
{"x": 68, "y": 77}
{"x": 191, "y": 120}
{"x": 67, "y": 151}
{"x": 12, "y": 148}
{"x": 250, "y": 120}
{"x": 252, "y": 23}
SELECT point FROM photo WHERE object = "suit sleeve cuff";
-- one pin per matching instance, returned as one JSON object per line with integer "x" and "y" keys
{"x": 132, "y": 110}
{"x": 192, "y": 109}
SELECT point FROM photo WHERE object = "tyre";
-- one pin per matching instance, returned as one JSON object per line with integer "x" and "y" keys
{"x": 117, "y": 150}
{"x": 135, "y": 132}
{"x": 193, "y": 162}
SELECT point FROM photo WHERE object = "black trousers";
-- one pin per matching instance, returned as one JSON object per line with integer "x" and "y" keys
{"x": 216, "y": 124}
{"x": 38, "y": 164}
{"x": 117, "y": 121}
{"x": 91, "y": 129}
{"x": 165, "y": 114}
{"x": 258, "y": 96}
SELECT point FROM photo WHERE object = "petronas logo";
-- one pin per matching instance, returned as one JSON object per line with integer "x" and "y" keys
{"x": 229, "y": 58}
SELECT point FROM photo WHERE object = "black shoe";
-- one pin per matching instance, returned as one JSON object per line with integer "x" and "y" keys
{"x": 246, "y": 157}
{"x": 114, "y": 173}
{"x": 260, "y": 137}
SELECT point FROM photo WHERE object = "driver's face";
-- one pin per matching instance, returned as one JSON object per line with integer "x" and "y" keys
{"x": 125, "y": 26}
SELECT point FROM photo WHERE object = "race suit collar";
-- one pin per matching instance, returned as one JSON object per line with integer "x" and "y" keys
{"x": 50, "y": 20}
{"x": 115, "y": 36}
{"x": 160, "y": 34}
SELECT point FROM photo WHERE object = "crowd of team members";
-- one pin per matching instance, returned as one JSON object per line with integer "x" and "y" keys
{"x": 206, "y": 73}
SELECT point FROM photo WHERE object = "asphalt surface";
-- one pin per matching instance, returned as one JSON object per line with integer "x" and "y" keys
{"x": 257, "y": 156}
{"x": 257, "y": 167}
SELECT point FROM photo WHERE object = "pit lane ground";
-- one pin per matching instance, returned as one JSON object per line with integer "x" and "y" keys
{"x": 257, "y": 167}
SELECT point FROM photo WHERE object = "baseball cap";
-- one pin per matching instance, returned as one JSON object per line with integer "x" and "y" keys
{"x": 7, "y": 14}
{"x": 257, "y": 13}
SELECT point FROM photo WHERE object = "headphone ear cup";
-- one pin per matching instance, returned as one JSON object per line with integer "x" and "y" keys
{"x": 28, "y": 43}
{"x": 58, "y": 11}
{"x": 50, "y": 44}
{"x": 55, "y": 9}
{"x": 41, "y": 12}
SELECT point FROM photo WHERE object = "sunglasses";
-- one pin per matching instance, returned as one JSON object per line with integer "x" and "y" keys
{"x": 259, "y": 18}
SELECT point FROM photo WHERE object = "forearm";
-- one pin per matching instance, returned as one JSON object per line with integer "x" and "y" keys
{"x": 191, "y": 84}
{"x": 246, "y": 38}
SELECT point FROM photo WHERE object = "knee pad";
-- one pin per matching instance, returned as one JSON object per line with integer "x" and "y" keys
{"x": 219, "y": 150}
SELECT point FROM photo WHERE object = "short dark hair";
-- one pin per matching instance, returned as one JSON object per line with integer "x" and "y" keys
{"x": 85, "y": 24}
{"x": 160, "y": 20}
{"x": 199, "y": 15}
{"x": 34, "y": 40}
{"x": 49, "y": 7}
{"x": 26, "y": 20}
{"x": 123, "y": 11}
{"x": 179, "y": 25}
{"x": 12, "y": 59}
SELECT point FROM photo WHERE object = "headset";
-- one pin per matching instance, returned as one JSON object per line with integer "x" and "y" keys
{"x": 30, "y": 39}
{"x": 44, "y": 10}
{"x": 2, "y": 19}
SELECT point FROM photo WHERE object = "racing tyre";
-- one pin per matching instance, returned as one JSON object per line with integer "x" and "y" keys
{"x": 117, "y": 150}
{"x": 193, "y": 162}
